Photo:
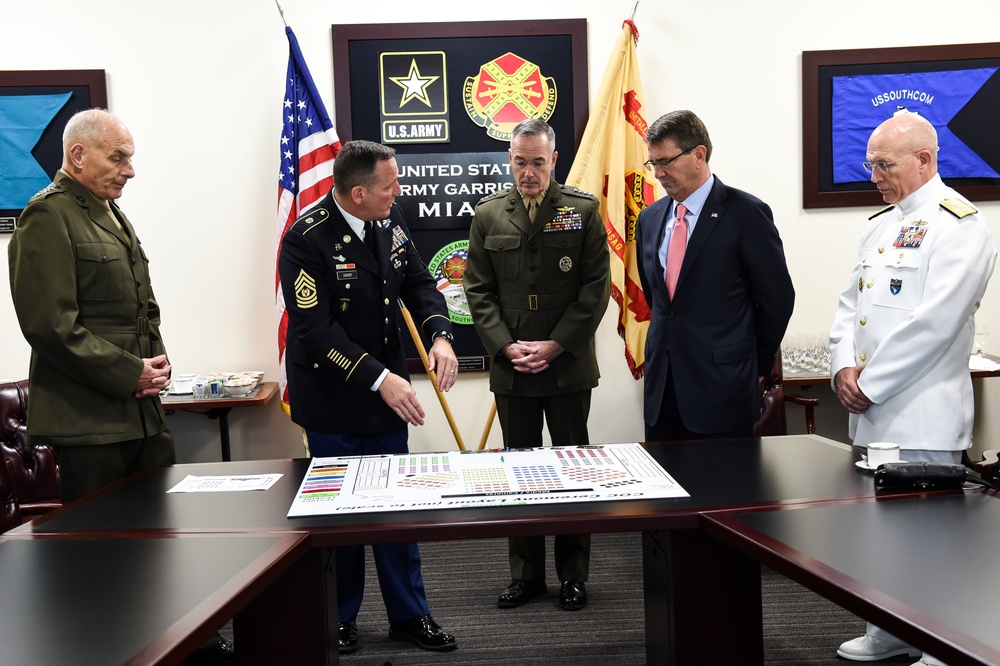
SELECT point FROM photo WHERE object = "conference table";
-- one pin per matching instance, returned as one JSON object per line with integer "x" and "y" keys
{"x": 921, "y": 568}
{"x": 696, "y": 587}
{"x": 155, "y": 600}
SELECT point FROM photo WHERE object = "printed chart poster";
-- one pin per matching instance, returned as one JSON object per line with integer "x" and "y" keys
{"x": 470, "y": 479}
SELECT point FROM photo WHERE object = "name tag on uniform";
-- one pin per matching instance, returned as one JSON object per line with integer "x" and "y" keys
{"x": 347, "y": 273}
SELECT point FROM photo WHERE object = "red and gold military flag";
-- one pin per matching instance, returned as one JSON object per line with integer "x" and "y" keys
{"x": 609, "y": 164}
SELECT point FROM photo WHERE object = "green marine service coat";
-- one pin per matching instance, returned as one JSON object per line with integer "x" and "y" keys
{"x": 544, "y": 281}
{"x": 83, "y": 299}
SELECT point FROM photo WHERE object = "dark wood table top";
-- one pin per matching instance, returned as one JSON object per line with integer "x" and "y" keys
{"x": 718, "y": 475}
{"x": 921, "y": 568}
{"x": 115, "y": 601}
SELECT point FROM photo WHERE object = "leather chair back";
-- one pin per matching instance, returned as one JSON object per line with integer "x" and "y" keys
{"x": 10, "y": 510}
{"x": 772, "y": 402}
{"x": 33, "y": 469}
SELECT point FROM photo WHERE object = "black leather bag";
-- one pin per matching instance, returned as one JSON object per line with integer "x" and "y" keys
{"x": 919, "y": 476}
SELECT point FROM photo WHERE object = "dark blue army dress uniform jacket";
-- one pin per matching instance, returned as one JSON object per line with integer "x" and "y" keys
{"x": 344, "y": 322}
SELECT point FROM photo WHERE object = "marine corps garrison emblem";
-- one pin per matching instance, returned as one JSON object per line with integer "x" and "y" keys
{"x": 506, "y": 91}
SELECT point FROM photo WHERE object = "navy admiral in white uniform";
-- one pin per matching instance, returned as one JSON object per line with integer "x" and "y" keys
{"x": 904, "y": 328}
{"x": 343, "y": 267}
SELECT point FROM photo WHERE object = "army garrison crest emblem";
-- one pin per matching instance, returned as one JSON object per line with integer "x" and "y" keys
{"x": 448, "y": 268}
{"x": 506, "y": 91}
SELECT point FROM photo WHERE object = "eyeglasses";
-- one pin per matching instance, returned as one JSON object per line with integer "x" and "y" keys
{"x": 883, "y": 167}
{"x": 665, "y": 164}
{"x": 537, "y": 164}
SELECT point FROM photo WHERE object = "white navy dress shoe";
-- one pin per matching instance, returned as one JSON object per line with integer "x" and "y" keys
{"x": 869, "y": 648}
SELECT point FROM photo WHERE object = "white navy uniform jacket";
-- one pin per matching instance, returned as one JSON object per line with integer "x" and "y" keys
{"x": 908, "y": 316}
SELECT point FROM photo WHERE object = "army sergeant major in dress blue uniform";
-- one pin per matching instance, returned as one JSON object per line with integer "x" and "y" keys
{"x": 538, "y": 283}
{"x": 347, "y": 379}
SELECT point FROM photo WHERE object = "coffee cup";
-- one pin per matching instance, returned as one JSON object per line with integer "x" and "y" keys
{"x": 880, "y": 453}
{"x": 182, "y": 383}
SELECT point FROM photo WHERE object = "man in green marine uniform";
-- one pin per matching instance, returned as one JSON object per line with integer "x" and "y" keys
{"x": 80, "y": 283}
{"x": 538, "y": 282}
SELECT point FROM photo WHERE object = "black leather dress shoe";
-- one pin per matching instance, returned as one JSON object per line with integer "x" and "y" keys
{"x": 423, "y": 631}
{"x": 519, "y": 592}
{"x": 572, "y": 595}
{"x": 348, "y": 634}
{"x": 219, "y": 654}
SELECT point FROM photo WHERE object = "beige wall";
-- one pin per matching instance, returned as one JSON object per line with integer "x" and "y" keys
{"x": 200, "y": 86}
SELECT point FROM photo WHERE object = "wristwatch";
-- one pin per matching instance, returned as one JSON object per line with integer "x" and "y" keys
{"x": 443, "y": 334}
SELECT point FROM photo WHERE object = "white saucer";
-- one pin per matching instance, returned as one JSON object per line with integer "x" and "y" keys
{"x": 863, "y": 464}
{"x": 171, "y": 391}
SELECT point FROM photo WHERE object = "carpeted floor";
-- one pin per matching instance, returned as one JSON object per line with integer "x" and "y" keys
{"x": 463, "y": 579}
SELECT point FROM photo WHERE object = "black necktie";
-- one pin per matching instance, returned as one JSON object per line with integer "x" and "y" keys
{"x": 370, "y": 238}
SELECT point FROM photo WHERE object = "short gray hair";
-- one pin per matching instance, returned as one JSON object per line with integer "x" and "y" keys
{"x": 87, "y": 127}
{"x": 534, "y": 127}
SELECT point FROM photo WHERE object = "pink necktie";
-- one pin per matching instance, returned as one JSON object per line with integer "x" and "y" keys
{"x": 675, "y": 252}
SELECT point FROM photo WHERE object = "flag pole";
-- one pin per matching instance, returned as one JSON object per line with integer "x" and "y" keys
{"x": 282, "y": 12}
{"x": 419, "y": 344}
{"x": 631, "y": 17}
{"x": 489, "y": 425}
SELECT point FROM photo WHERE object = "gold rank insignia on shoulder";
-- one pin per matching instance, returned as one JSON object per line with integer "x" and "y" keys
{"x": 884, "y": 210}
{"x": 305, "y": 290}
{"x": 957, "y": 207}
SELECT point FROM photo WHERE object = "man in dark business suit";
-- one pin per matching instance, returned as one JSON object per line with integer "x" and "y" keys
{"x": 343, "y": 267}
{"x": 720, "y": 302}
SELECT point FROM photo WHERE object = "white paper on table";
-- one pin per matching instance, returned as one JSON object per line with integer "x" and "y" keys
{"x": 218, "y": 484}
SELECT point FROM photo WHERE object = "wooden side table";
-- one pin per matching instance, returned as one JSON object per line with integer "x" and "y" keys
{"x": 219, "y": 408}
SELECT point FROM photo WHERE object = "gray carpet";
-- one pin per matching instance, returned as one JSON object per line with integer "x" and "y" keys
{"x": 463, "y": 579}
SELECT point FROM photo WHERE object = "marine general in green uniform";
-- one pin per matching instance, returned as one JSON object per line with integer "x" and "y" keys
{"x": 538, "y": 283}
{"x": 80, "y": 283}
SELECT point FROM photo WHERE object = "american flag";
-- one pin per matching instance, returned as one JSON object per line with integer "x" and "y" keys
{"x": 308, "y": 145}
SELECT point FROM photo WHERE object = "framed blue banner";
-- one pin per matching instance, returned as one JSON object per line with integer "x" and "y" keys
{"x": 847, "y": 94}
{"x": 34, "y": 109}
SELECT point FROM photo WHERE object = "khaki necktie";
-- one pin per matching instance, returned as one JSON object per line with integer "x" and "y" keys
{"x": 532, "y": 209}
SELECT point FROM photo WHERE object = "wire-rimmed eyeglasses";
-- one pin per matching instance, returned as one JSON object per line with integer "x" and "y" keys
{"x": 883, "y": 167}
{"x": 665, "y": 164}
